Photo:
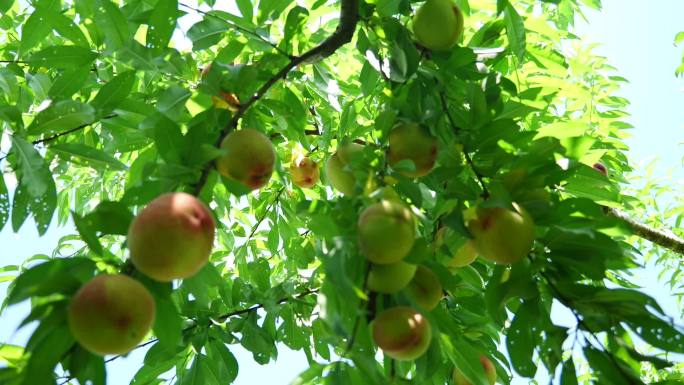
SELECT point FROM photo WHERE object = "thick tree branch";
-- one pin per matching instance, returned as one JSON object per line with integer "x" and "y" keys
{"x": 349, "y": 17}
{"x": 664, "y": 238}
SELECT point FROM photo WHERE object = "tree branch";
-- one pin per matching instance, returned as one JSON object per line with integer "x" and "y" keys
{"x": 349, "y": 17}
{"x": 67, "y": 132}
{"x": 469, "y": 160}
{"x": 224, "y": 317}
{"x": 664, "y": 238}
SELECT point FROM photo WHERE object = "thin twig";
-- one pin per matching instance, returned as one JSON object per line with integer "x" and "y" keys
{"x": 225, "y": 317}
{"x": 456, "y": 128}
{"x": 349, "y": 16}
{"x": 239, "y": 28}
{"x": 67, "y": 132}
{"x": 580, "y": 321}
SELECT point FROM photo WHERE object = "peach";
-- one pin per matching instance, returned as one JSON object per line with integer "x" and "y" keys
{"x": 411, "y": 141}
{"x": 340, "y": 177}
{"x": 425, "y": 288}
{"x": 386, "y": 232}
{"x": 390, "y": 278}
{"x": 502, "y": 235}
{"x": 438, "y": 24}
{"x": 304, "y": 172}
{"x": 402, "y": 333}
{"x": 249, "y": 158}
{"x": 111, "y": 314}
{"x": 172, "y": 237}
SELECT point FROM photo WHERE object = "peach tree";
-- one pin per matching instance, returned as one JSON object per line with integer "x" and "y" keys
{"x": 405, "y": 191}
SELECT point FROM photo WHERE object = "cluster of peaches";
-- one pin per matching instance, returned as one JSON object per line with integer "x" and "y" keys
{"x": 172, "y": 237}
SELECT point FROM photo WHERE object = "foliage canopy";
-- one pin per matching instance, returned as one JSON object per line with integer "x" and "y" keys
{"x": 101, "y": 113}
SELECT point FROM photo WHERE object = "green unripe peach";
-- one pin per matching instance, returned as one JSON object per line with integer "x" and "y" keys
{"x": 402, "y": 333}
{"x": 111, "y": 314}
{"x": 172, "y": 237}
{"x": 487, "y": 365}
{"x": 502, "y": 235}
{"x": 249, "y": 158}
{"x": 304, "y": 172}
{"x": 438, "y": 24}
{"x": 340, "y": 177}
{"x": 390, "y": 278}
{"x": 411, "y": 141}
{"x": 464, "y": 256}
{"x": 425, "y": 288}
{"x": 386, "y": 232}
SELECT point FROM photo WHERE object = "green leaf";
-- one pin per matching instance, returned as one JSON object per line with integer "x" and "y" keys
{"x": 111, "y": 218}
{"x": 61, "y": 117}
{"x": 4, "y": 202}
{"x": 66, "y": 27}
{"x": 63, "y": 57}
{"x": 465, "y": 357}
{"x": 68, "y": 83}
{"x": 32, "y": 172}
{"x": 113, "y": 23}
{"x": 42, "y": 208}
{"x": 114, "y": 92}
{"x": 226, "y": 365}
{"x": 162, "y": 22}
{"x": 87, "y": 367}
{"x": 35, "y": 29}
{"x": 89, "y": 155}
{"x": 246, "y": 9}
{"x": 167, "y": 322}
{"x": 207, "y": 33}
{"x": 47, "y": 354}
{"x": 171, "y": 102}
{"x": 87, "y": 232}
{"x": 515, "y": 31}
{"x": 58, "y": 276}
{"x": 520, "y": 339}
{"x": 5, "y": 5}
{"x": 568, "y": 376}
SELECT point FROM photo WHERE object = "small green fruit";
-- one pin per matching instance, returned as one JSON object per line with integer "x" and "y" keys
{"x": 402, "y": 333}
{"x": 438, "y": 24}
{"x": 386, "y": 232}
{"x": 336, "y": 168}
{"x": 425, "y": 288}
{"x": 249, "y": 159}
{"x": 111, "y": 314}
{"x": 413, "y": 142}
{"x": 389, "y": 279}
{"x": 502, "y": 235}
{"x": 464, "y": 256}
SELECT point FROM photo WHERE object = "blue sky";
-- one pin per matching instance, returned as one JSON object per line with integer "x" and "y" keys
{"x": 637, "y": 39}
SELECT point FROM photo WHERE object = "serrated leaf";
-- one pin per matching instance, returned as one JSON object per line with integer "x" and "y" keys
{"x": 113, "y": 23}
{"x": 63, "y": 57}
{"x": 4, "y": 202}
{"x": 30, "y": 167}
{"x": 90, "y": 155}
{"x": 114, "y": 92}
{"x": 162, "y": 22}
{"x": 57, "y": 276}
{"x": 68, "y": 83}
{"x": 35, "y": 29}
{"x": 206, "y": 33}
{"x": 515, "y": 31}
{"x": 62, "y": 116}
